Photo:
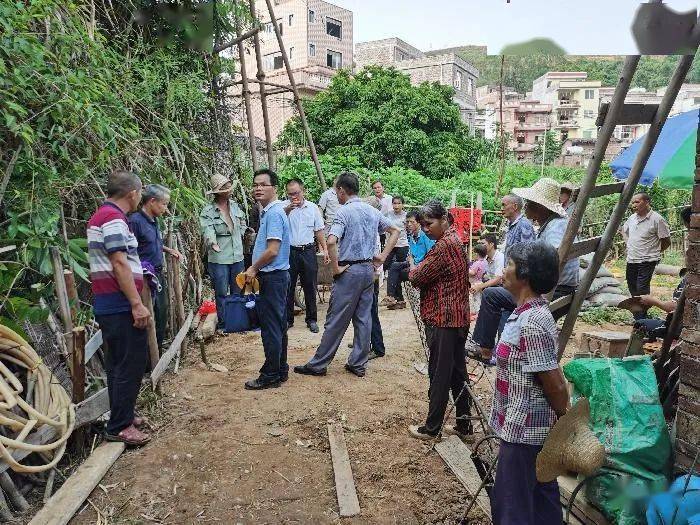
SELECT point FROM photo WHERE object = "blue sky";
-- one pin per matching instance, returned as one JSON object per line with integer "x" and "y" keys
{"x": 599, "y": 27}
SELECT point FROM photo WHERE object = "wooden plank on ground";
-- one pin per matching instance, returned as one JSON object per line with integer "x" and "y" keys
{"x": 93, "y": 345}
{"x": 70, "y": 497}
{"x": 344, "y": 482}
{"x": 583, "y": 510}
{"x": 85, "y": 412}
{"x": 170, "y": 354}
{"x": 458, "y": 457}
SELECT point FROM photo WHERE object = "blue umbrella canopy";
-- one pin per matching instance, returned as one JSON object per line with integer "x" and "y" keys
{"x": 672, "y": 161}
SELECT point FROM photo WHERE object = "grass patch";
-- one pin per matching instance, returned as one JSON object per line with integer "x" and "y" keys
{"x": 673, "y": 257}
{"x": 597, "y": 315}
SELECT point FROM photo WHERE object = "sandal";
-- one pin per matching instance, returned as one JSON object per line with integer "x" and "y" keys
{"x": 131, "y": 436}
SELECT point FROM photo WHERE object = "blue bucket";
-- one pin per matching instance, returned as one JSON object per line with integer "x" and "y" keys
{"x": 236, "y": 318}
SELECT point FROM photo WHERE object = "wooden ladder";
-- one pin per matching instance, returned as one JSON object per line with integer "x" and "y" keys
{"x": 612, "y": 114}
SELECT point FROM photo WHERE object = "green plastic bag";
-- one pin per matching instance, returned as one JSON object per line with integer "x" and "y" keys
{"x": 628, "y": 419}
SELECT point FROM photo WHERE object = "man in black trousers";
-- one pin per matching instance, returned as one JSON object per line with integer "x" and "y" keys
{"x": 306, "y": 228}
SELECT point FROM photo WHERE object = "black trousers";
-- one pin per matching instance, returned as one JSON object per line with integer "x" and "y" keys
{"x": 161, "y": 309}
{"x": 638, "y": 277}
{"x": 377, "y": 338}
{"x": 271, "y": 306}
{"x": 303, "y": 265}
{"x": 396, "y": 255}
{"x": 447, "y": 371}
{"x": 125, "y": 361}
{"x": 398, "y": 273}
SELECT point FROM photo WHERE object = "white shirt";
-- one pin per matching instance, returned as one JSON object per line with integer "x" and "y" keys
{"x": 386, "y": 204}
{"x": 643, "y": 236}
{"x": 400, "y": 222}
{"x": 495, "y": 266}
{"x": 329, "y": 204}
{"x": 303, "y": 222}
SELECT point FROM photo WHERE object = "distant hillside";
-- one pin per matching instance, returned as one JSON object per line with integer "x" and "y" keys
{"x": 519, "y": 71}
{"x": 536, "y": 46}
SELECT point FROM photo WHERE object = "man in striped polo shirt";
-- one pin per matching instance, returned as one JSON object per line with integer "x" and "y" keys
{"x": 117, "y": 280}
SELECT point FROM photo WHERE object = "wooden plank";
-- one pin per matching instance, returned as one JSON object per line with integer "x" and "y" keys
{"x": 153, "y": 350}
{"x": 170, "y": 354}
{"x": 93, "y": 345}
{"x": 583, "y": 247}
{"x": 601, "y": 190}
{"x": 92, "y": 408}
{"x": 560, "y": 303}
{"x": 78, "y": 366}
{"x": 631, "y": 114}
{"x": 6, "y": 249}
{"x": 70, "y": 497}
{"x": 348, "y": 503}
{"x": 458, "y": 457}
{"x": 591, "y": 515}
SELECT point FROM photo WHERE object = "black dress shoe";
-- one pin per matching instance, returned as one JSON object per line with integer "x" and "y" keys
{"x": 313, "y": 326}
{"x": 358, "y": 373}
{"x": 305, "y": 370}
{"x": 290, "y": 324}
{"x": 258, "y": 384}
{"x": 283, "y": 378}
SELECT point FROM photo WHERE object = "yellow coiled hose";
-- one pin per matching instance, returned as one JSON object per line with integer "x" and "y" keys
{"x": 50, "y": 405}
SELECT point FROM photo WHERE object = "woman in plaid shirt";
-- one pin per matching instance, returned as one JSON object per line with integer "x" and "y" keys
{"x": 443, "y": 280}
{"x": 530, "y": 390}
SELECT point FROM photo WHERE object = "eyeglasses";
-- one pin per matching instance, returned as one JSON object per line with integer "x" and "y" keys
{"x": 261, "y": 185}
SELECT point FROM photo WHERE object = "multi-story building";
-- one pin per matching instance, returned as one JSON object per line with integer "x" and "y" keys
{"x": 524, "y": 120}
{"x": 444, "y": 67}
{"x": 627, "y": 134}
{"x": 318, "y": 37}
{"x": 688, "y": 98}
{"x": 574, "y": 100}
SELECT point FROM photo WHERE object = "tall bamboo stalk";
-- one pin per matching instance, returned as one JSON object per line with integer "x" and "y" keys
{"x": 502, "y": 169}
{"x": 263, "y": 94}
{"x": 246, "y": 98}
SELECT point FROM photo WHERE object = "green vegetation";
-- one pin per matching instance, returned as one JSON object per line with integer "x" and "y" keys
{"x": 536, "y": 46}
{"x": 551, "y": 149}
{"x": 520, "y": 70}
{"x": 379, "y": 118}
{"x": 83, "y": 95}
{"x": 599, "y": 315}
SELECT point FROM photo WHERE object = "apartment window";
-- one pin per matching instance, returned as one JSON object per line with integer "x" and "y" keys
{"x": 588, "y": 113}
{"x": 269, "y": 28}
{"x": 334, "y": 59}
{"x": 312, "y": 16}
{"x": 291, "y": 53}
{"x": 291, "y": 18}
{"x": 458, "y": 81}
{"x": 312, "y": 50}
{"x": 590, "y": 94}
{"x": 470, "y": 86}
{"x": 334, "y": 27}
{"x": 273, "y": 61}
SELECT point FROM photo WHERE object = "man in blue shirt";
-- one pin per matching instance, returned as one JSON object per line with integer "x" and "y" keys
{"x": 519, "y": 227}
{"x": 355, "y": 226}
{"x": 271, "y": 267}
{"x": 144, "y": 225}
{"x": 419, "y": 244}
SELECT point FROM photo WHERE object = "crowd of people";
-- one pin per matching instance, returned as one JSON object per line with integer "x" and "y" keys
{"x": 364, "y": 239}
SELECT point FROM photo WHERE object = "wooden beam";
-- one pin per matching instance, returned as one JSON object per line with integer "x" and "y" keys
{"x": 170, "y": 354}
{"x": 560, "y": 303}
{"x": 153, "y": 350}
{"x": 458, "y": 457}
{"x": 78, "y": 368}
{"x": 238, "y": 39}
{"x": 583, "y": 247}
{"x": 93, "y": 345}
{"x": 73, "y": 302}
{"x": 61, "y": 291}
{"x": 601, "y": 190}
{"x": 70, "y": 497}
{"x": 348, "y": 503}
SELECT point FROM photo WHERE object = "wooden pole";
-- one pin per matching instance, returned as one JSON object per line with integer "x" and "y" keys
{"x": 502, "y": 169}
{"x": 263, "y": 93}
{"x": 147, "y": 301}
{"x": 179, "y": 300}
{"x": 78, "y": 359}
{"x": 71, "y": 290}
{"x": 61, "y": 291}
{"x": 246, "y": 99}
{"x": 238, "y": 40}
{"x": 297, "y": 99}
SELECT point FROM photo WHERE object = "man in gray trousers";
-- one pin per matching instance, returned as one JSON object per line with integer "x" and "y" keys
{"x": 355, "y": 225}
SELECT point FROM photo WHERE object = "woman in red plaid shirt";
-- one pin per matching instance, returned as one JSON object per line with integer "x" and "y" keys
{"x": 443, "y": 280}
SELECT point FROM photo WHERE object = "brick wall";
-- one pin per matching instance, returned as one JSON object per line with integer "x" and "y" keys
{"x": 688, "y": 416}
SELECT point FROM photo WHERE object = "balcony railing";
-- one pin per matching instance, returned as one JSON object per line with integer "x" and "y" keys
{"x": 564, "y": 103}
{"x": 531, "y": 125}
{"x": 567, "y": 123}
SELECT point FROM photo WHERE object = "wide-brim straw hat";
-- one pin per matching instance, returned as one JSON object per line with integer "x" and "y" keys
{"x": 247, "y": 288}
{"x": 633, "y": 304}
{"x": 218, "y": 182}
{"x": 571, "y": 446}
{"x": 545, "y": 192}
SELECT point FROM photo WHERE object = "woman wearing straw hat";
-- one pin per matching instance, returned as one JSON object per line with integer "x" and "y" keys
{"x": 223, "y": 224}
{"x": 530, "y": 390}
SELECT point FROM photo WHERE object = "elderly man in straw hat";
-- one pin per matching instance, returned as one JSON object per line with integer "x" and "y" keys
{"x": 542, "y": 207}
{"x": 223, "y": 224}
{"x": 530, "y": 392}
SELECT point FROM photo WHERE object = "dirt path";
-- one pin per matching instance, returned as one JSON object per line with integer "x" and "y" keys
{"x": 224, "y": 454}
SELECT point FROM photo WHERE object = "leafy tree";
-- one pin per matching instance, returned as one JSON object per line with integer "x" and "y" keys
{"x": 552, "y": 149}
{"x": 381, "y": 119}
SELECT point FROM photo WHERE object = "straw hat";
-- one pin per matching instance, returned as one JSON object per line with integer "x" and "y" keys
{"x": 570, "y": 446}
{"x": 633, "y": 304}
{"x": 218, "y": 182}
{"x": 545, "y": 192}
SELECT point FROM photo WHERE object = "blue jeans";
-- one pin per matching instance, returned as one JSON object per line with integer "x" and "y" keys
{"x": 517, "y": 498}
{"x": 272, "y": 314}
{"x": 377, "y": 338}
{"x": 223, "y": 277}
